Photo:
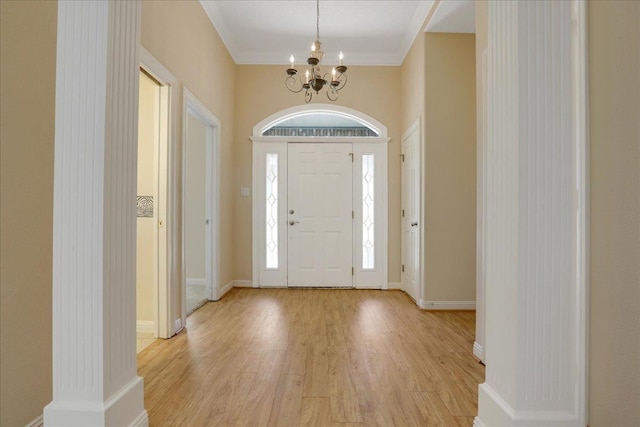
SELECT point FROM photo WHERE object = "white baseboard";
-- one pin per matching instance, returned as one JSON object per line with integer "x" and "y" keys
{"x": 38, "y": 422}
{"x": 243, "y": 284}
{"x": 141, "y": 420}
{"x": 478, "y": 351}
{"x": 478, "y": 423}
{"x": 146, "y": 326}
{"x": 226, "y": 288}
{"x": 177, "y": 325}
{"x": 447, "y": 305}
{"x": 369, "y": 287}
{"x": 269, "y": 286}
{"x": 394, "y": 285}
{"x": 193, "y": 281}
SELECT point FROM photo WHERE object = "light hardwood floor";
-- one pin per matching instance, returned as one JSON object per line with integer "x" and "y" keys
{"x": 314, "y": 357}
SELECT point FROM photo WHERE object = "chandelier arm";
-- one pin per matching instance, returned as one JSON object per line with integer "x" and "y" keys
{"x": 289, "y": 82}
{"x": 332, "y": 94}
{"x": 308, "y": 95}
{"x": 343, "y": 83}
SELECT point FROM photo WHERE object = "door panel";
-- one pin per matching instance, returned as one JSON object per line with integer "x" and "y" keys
{"x": 410, "y": 220}
{"x": 320, "y": 227}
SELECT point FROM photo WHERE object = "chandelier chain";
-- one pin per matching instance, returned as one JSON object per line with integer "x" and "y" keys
{"x": 314, "y": 79}
{"x": 318, "y": 20}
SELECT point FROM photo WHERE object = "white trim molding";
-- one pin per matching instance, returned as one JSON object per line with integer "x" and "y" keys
{"x": 196, "y": 108}
{"x": 178, "y": 325}
{"x": 478, "y": 351}
{"x": 223, "y": 291}
{"x": 165, "y": 237}
{"x": 447, "y": 305}
{"x": 481, "y": 205}
{"x": 37, "y": 422}
{"x": 319, "y": 108}
{"x": 536, "y": 288}
{"x": 416, "y": 126}
{"x": 242, "y": 284}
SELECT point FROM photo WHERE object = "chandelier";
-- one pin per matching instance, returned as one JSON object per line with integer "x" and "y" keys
{"x": 313, "y": 79}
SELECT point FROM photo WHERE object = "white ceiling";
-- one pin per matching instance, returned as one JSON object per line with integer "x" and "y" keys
{"x": 368, "y": 32}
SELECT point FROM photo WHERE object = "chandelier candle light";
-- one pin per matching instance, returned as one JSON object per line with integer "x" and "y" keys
{"x": 313, "y": 77}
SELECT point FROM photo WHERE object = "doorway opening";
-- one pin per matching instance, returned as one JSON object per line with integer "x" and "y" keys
{"x": 149, "y": 218}
{"x": 200, "y": 212}
{"x": 320, "y": 211}
{"x": 146, "y": 224}
{"x": 155, "y": 298}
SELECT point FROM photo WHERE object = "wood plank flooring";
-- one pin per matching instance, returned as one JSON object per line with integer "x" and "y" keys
{"x": 314, "y": 357}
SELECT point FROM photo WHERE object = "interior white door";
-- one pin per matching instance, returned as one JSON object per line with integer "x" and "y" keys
{"x": 410, "y": 274}
{"x": 320, "y": 215}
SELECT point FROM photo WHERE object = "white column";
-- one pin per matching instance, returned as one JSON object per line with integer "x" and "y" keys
{"x": 535, "y": 283}
{"x": 94, "y": 313}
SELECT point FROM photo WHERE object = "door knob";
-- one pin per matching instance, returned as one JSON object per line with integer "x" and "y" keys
{"x": 291, "y": 212}
{"x": 293, "y": 222}
{"x": 414, "y": 224}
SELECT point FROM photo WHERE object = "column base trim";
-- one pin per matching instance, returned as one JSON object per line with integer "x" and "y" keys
{"x": 493, "y": 410}
{"x": 124, "y": 408}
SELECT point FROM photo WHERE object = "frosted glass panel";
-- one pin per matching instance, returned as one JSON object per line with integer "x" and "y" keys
{"x": 368, "y": 245}
{"x": 272, "y": 210}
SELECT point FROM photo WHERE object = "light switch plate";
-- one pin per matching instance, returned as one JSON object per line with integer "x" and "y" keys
{"x": 244, "y": 192}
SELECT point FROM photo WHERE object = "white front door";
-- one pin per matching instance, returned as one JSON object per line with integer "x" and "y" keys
{"x": 319, "y": 214}
{"x": 411, "y": 213}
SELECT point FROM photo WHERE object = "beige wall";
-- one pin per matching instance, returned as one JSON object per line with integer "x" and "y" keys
{"x": 438, "y": 88}
{"x": 450, "y": 167}
{"x": 195, "y": 198}
{"x": 412, "y": 85}
{"x": 260, "y": 92}
{"x": 27, "y": 75}
{"x": 180, "y": 35}
{"x": 146, "y": 175}
{"x": 614, "y": 90}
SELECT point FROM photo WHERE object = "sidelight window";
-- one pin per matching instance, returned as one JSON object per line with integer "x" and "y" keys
{"x": 368, "y": 220}
{"x": 272, "y": 210}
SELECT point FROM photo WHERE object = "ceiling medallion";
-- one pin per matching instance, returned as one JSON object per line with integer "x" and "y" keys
{"x": 313, "y": 78}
